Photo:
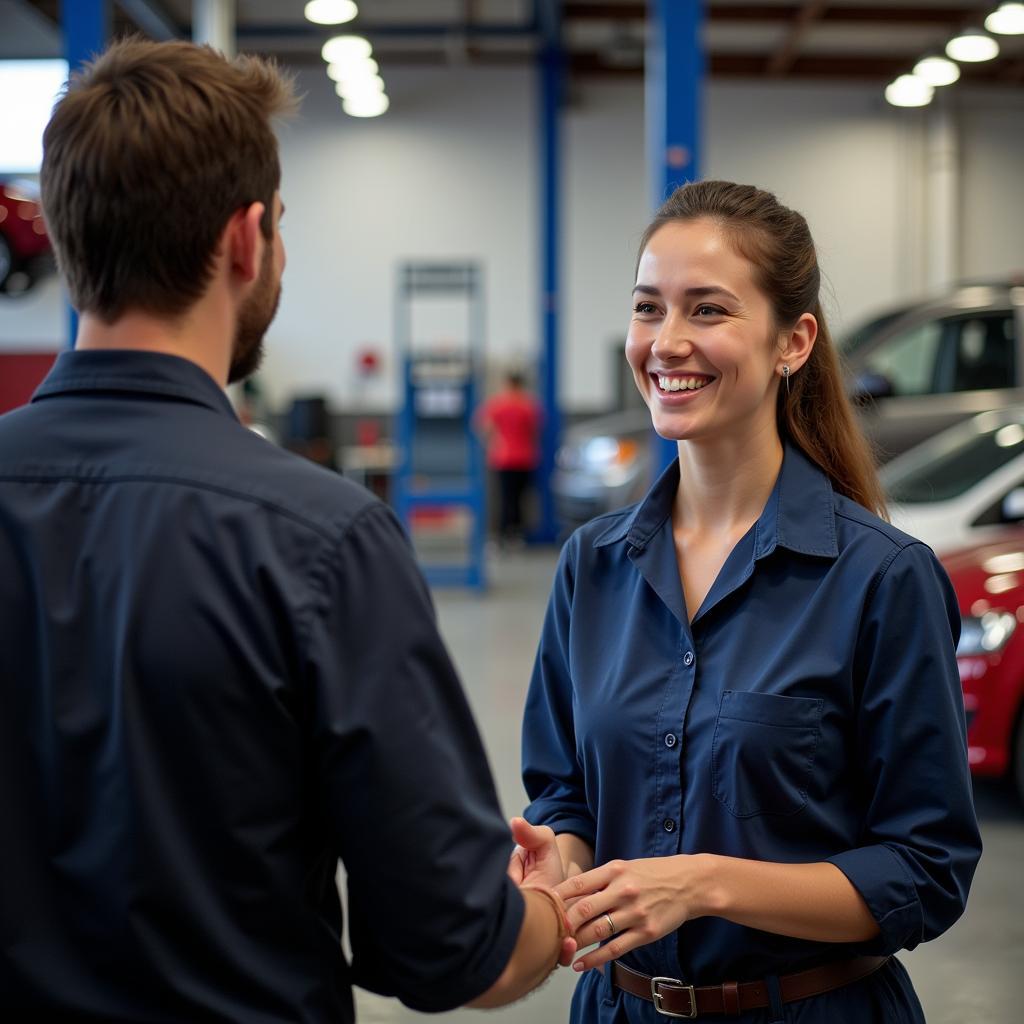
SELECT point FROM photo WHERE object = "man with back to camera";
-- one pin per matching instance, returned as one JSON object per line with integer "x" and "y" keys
{"x": 219, "y": 667}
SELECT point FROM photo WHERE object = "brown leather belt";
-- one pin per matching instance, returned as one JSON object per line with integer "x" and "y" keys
{"x": 673, "y": 998}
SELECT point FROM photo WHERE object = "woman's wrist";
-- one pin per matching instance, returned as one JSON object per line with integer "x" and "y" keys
{"x": 707, "y": 891}
{"x": 577, "y": 855}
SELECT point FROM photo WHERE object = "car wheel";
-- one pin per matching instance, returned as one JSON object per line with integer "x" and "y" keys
{"x": 6, "y": 260}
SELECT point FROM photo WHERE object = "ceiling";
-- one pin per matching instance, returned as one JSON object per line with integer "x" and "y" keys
{"x": 844, "y": 40}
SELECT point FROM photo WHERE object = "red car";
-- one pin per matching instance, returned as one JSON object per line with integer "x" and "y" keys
{"x": 25, "y": 253}
{"x": 989, "y": 582}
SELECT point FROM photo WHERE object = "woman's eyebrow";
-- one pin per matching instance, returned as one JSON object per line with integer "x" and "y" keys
{"x": 691, "y": 293}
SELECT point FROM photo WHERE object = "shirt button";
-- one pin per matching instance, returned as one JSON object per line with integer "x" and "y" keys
{"x": 669, "y": 825}
{"x": 670, "y": 739}
{"x": 688, "y": 658}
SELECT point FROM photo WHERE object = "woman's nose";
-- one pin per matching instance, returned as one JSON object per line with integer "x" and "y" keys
{"x": 672, "y": 341}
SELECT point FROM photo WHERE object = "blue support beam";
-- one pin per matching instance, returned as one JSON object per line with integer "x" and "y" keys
{"x": 552, "y": 83}
{"x": 85, "y": 26}
{"x": 673, "y": 81}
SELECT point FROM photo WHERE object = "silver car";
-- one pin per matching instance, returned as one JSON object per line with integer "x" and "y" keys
{"x": 912, "y": 371}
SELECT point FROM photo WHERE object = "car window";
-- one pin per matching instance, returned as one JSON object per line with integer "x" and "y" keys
{"x": 957, "y": 469}
{"x": 908, "y": 360}
{"x": 963, "y": 353}
{"x": 982, "y": 353}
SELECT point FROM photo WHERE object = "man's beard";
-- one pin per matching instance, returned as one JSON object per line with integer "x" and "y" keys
{"x": 253, "y": 320}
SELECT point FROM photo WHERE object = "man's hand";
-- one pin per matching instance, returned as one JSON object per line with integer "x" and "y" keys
{"x": 535, "y": 860}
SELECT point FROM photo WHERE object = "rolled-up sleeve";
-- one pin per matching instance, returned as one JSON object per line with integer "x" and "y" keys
{"x": 552, "y": 773}
{"x": 920, "y": 843}
{"x": 404, "y": 782}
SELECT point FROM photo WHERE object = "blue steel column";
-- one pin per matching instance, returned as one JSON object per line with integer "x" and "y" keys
{"x": 84, "y": 27}
{"x": 674, "y": 75}
{"x": 551, "y": 75}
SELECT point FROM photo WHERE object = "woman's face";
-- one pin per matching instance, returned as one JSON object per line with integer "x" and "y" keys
{"x": 702, "y": 342}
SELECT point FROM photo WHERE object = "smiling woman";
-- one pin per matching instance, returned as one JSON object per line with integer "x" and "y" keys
{"x": 744, "y": 737}
{"x": 745, "y": 263}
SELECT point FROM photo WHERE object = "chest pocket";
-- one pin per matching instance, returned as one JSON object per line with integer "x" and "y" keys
{"x": 763, "y": 752}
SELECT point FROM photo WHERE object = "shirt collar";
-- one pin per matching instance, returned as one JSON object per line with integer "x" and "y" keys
{"x": 140, "y": 373}
{"x": 799, "y": 514}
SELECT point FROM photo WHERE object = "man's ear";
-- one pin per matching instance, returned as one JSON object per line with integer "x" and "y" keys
{"x": 244, "y": 241}
{"x": 798, "y": 342}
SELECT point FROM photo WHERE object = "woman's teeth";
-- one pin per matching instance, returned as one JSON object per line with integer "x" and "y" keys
{"x": 682, "y": 383}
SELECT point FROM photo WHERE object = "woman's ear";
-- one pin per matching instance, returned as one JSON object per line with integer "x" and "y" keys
{"x": 798, "y": 342}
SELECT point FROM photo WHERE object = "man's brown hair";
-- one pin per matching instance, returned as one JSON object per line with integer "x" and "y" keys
{"x": 147, "y": 155}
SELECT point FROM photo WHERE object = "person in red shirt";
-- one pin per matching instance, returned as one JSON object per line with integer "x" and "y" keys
{"x": 510, "y": 423}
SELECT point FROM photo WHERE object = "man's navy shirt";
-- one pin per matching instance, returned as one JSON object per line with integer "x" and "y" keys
{"x": 810, "y": 711}
{"x": 219, "y": 674}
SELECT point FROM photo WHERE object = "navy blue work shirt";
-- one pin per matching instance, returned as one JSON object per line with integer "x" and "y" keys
{"x": 219, "y": 674}
{"x": 811, "y": 712}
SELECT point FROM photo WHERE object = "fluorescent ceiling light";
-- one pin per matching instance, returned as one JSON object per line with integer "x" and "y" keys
{"x": 937, "y": 71}
{"x": 339, "y": 49}
{"x": 909, "y": 91}
{"x": 330, "y": 12}
{"x": 1007, "y": 21}
{"x": 28, "y": 91}
{"x": 972, "y": 46}
{"x": 354, "y": 88}
{"x": 366, "y": 106}
{"x": 346, "y": 70}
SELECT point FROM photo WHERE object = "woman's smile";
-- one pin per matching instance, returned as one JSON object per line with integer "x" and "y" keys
{"x": 680, "y": 388}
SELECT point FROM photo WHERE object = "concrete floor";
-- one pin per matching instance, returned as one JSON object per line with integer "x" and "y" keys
{"x": 964, "y": 977}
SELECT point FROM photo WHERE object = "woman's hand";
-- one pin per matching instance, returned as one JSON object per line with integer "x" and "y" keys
{"x": 536, "y": 859}
{"x": 645, "y": 900}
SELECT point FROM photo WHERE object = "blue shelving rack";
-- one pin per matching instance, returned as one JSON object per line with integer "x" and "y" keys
{"x": 441, "y": 463}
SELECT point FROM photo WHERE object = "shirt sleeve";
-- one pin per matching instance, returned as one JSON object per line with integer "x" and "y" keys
{"x": 404, "y": 782}
{"x": 920, "y": 842}
{"x": 552, "y": 773}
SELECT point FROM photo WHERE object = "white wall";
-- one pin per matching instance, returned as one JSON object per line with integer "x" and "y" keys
{"x": 992, "y": 151}
{"x": 447, "y": 174}
{"x": 450, "y": 172}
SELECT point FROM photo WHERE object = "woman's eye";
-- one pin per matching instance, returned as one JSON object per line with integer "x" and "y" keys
{"x": 644, "y": 307}
{"x": 708, "y": 311}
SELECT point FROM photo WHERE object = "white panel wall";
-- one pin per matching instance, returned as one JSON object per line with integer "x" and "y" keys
{"x": 605, "y": 211}
{"x": 447, "y": 174}
{"x": 992, "y": 152}
{"x": 451, "y": 172}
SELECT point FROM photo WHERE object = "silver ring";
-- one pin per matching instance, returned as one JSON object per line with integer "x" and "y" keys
{"x": 611, "y": 925}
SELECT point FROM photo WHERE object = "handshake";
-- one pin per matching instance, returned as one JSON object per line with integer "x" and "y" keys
{"x": 564, "y": 901}
{"x": 536, "y": 864}
{"x": 547, "y": 936}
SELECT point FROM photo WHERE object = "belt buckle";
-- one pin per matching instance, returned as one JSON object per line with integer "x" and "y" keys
{"x": 657, "y": 997}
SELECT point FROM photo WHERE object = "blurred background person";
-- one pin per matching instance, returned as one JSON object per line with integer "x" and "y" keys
{"x": 510, "y": 423}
